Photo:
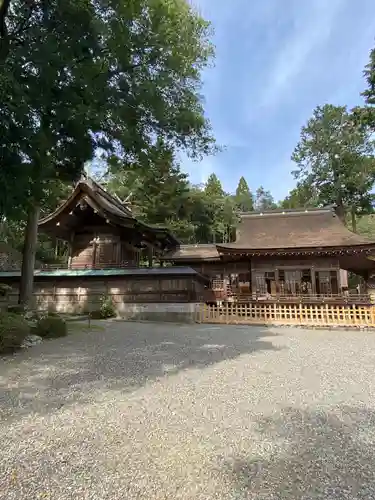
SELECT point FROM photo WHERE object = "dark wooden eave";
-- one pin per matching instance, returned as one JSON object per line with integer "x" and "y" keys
{"x": 193, "y": 253}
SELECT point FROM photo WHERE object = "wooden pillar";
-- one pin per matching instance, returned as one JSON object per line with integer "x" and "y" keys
{"x": 94, "y": 252}
{"x": 71, "y": 246}
{"x": 277, "y": 281}
{"x": 118, "y": 253}
{"x": 370, "y": 288}
{"x": 313, "y": 280}
{"x": 149, "y": 255}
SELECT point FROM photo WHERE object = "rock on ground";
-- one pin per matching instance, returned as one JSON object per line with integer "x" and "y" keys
{"x": 31, "y": 340}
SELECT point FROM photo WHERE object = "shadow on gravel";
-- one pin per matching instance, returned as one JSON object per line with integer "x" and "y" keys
{"x": 121, "y": 356}
{"x": 310, "y": 455}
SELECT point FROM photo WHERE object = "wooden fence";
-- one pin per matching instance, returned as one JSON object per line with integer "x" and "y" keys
{"x": 288, "y": 314}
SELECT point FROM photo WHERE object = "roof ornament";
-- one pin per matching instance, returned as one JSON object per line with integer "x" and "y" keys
{"x": 84, "y": 176}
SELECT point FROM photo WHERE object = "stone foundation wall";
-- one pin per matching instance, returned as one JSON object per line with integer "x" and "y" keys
{"x": 175, "y": 313}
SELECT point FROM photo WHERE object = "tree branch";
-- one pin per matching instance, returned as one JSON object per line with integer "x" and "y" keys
{"x": 4, "y": 38}
{"x": 4, "y": 9}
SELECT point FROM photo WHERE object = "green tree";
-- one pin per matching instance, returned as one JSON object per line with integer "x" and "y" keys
{"x": 220, "y": 209}
{"x": 201, "y": 214}
{"x": 243, "y": 197}
{"x": 264, "y": 200}
{"x": 213, "y": 188}
{"x": 164, "y": 202}
{"x": 335, "y": 160}
{"x": 80, "y": 76}
{"x": 300, "y": 197}
{"x": 365, "y": 115}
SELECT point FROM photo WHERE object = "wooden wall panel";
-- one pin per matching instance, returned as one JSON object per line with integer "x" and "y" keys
{"x": 84, "y": 257}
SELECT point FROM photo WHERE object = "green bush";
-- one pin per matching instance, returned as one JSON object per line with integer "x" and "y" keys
{"x": 97, "y": 314}
{"x": 13, "y": 331}
{"x": 107, "y": 309}
{"x": 16, "y": 309}
{"x": 4, "y": 289}
{"x": 50, "y": 327}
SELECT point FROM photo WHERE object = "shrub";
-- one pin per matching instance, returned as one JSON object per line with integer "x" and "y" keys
{"x": 13, "y": 331}
{"x": 16, "y": 309}
{"x": 50, "y": 327}
{"x": 107, "y": 307}
{"x": 4, "y": 289}
{"x": 97, "y": 314}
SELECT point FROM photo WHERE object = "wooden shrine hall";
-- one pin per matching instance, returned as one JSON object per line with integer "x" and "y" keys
{"x": 284, "y": 252}
{"x": 102, "y": 231}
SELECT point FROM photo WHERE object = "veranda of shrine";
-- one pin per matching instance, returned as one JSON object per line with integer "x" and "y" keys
{"x": 285, "y": 266}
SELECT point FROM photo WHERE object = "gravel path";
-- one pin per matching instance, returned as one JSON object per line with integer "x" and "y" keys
{"x": 147, "y": 411}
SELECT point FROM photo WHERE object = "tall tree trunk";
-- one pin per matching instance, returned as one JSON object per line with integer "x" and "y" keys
{"x": 28, "y": 256}
{"x": 340, "y": 211}
{"x": 354, "y": 219}
{"x": 4, "y": 36}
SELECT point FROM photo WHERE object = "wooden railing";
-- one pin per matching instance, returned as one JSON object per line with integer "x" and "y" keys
{"x": 304, "y": 299}
{"x": 229, "y": 293}
{"x": 103, "y": 265}
{"x": 289, "y": 314}
{"x": 73, "y": 267}
{"x": 232, "y": 292}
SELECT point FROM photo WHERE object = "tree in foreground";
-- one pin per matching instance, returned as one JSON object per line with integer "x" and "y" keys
{"x": 78, "y": 76}
{"x": 335, "y": 161}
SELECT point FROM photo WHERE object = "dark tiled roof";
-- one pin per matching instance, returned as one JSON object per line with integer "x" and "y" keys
{"x": 193, "y": 252}
{"x": 314, "y": 228}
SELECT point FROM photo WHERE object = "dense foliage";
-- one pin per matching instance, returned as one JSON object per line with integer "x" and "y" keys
{"x": 335, "y": 161}
{"x": 13, "y": 330}
{"x": 50, "y": 326}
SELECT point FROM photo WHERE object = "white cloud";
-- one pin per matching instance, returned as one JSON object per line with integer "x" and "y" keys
{"x": 312, "y": 24}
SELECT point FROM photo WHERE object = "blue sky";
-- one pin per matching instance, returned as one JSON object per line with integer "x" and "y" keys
{"x": 276, "y": 60}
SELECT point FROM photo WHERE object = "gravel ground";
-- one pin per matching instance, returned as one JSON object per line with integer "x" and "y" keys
{"x": 152, "y": 411}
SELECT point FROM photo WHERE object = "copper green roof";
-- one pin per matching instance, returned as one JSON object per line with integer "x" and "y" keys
{"x": 140, "y": 271}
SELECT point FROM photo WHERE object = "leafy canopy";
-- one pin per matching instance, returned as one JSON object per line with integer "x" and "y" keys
{"x": 334, "y": 157}
{"x": 78, "y": 75}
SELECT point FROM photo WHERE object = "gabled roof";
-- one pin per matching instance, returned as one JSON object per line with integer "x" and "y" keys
{"x": 194, "y": 252}
{"x": 284, "y": 230}
{"x": 96, "y": 195}
{"x": 107, "y": 207}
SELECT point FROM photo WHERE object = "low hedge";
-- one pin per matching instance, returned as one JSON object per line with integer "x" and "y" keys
{"x": 13, "y": 330}
{"x": 50, "y": 327}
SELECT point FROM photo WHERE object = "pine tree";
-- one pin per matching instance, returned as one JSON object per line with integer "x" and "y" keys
{"x": 213, "y": 188}
{"x": 243, "y": 197}
{"x": 264, "y": 200}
